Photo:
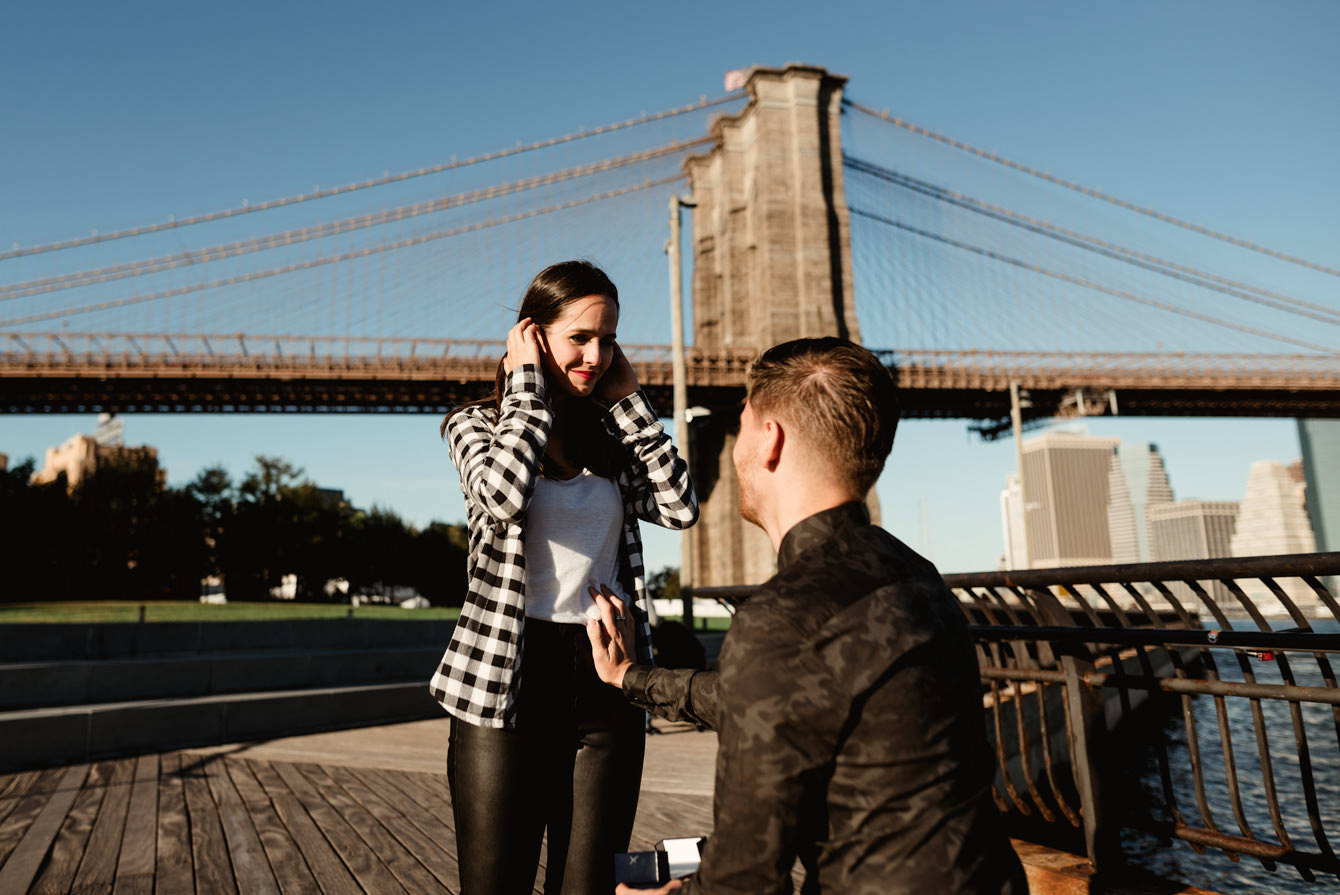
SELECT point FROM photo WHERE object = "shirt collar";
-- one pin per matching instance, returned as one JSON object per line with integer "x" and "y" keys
{"x": 815, "y": 530}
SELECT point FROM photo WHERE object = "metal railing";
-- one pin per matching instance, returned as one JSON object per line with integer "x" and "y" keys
{"x": 1241, "y": 646}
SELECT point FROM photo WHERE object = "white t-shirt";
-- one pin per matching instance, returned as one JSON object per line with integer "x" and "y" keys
{"x": 573, "y": 529}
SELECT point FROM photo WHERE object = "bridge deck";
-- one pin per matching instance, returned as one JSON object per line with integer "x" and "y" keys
{"x": 347, "y": 812}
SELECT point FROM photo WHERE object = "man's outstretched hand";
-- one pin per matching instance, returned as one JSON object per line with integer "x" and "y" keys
{"x": 611, "y": 636}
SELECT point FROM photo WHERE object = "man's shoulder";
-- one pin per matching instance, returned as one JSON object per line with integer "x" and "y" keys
{"x": 832, "y": 576}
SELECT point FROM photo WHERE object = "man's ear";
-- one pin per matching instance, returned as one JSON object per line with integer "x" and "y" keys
{"x": 771, "y": 444}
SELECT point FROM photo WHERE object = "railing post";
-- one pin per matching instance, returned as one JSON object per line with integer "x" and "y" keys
{"x": 1083, "y": 708}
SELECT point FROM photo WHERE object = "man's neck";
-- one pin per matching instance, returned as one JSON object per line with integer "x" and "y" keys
{"x": 795, "y": 504}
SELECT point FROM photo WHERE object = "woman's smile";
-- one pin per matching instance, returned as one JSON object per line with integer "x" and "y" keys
{"x": 580, "y": 344}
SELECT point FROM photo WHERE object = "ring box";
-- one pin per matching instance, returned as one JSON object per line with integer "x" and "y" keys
{"x": 671, "y": 859}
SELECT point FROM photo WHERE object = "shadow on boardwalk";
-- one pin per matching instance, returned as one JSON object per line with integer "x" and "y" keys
{"x": 354, "y": 811}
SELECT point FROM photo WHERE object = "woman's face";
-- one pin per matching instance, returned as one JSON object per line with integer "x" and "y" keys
{"x": 581, "y": 344}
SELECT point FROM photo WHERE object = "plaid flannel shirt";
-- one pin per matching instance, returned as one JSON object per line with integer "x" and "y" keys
{"x": 497, "y": 454}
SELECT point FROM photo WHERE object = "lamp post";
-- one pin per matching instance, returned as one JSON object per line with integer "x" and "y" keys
{"x": 681, "y": 395}
{"x": 1016, "y": 420}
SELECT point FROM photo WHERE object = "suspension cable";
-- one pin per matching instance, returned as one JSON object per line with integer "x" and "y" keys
{"x": 1087, "y": 284}
{"x": 334, "y": 259}
{"x": 1092, "y": 193}
{"x": 333, "y": 228}
{"x": 703, "y": 103}
{"x": 1153, "y": 263}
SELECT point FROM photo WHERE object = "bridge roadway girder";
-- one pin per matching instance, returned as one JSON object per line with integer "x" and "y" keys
{"x": 423, "y": 386}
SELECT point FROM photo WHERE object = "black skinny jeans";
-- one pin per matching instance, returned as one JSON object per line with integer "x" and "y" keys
{"x": 573, "y": 766}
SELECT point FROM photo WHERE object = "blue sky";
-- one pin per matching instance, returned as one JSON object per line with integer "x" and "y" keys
{"x": 115, "y": 115}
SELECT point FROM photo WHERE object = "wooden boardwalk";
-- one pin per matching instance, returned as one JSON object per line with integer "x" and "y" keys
{"x": 347, "y": 812}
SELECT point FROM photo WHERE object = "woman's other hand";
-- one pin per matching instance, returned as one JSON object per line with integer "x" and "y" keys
{"x": 611, "y": 636}
{"x": 619, "y": 380}
{"x": 525, "y": 343}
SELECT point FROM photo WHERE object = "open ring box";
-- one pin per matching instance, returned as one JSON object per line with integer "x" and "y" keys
{"x": 671, "y": 859}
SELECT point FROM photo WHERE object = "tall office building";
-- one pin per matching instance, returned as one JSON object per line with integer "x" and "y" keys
{"x": 1012, "y": 524}
{"x": 1192, "y": 529}
{"x": 1137, "y": 481}
{"x": 1320, "y": 443}
{"x": 1274, "y": 521}
{"x": 1274, "y": 518}
{"x": 1066, "y": 494}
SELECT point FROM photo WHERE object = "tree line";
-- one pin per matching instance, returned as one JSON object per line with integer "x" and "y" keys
{"x": 120, "y": 535}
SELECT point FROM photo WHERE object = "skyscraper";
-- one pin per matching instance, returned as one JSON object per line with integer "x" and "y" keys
{"x": 1012, "y": 523}
{"x": 1320, "y": 443}
{"x": 1137, "y": 481}
{"x": 1066, "y": 495}
{"x": 1192, "y": 529}
{"x": 1274, "y": 521}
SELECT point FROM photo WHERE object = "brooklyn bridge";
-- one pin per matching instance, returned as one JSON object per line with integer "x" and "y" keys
{"x": 803, "y": 212}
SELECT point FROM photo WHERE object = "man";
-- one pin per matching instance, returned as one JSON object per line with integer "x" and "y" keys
{"x": 848, "y": 705}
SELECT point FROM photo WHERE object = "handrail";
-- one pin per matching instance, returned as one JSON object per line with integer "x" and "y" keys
{"x": 1244, "y": 644}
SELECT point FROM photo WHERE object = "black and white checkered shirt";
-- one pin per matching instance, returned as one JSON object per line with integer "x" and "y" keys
{"x": 498, "y": 457}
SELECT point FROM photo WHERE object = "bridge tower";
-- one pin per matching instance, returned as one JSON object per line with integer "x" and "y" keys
{"x": 771, "y": 262}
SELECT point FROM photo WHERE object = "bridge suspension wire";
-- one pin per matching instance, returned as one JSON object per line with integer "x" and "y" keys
{"x": 333, "y": 228}
{"x": 1089, "y": 191}
{"x": 1145, "y": 261}
{"x": 583, "y": 134}
{"x": 1088, "y": 284}
{"x": 334, "y": 259}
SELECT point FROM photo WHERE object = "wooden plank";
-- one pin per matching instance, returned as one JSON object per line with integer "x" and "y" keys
{"x": 420, "y": 789}
{"x": 426, "y": 837}
{"x": 213, "y": 869}
{"x": 174, "y": 869}
{"x": 366, "y": 867}
{"x": 244, "y": 845}
{"x": 135, "y": 869}
{"x": 16, "y": 783}
{"x": 58, "y": 874}
{"x": 670, "y": 815}
{"x": 402, "y": 861}
{"x": 26, "y": 859}
{"x": 331, "y": 874}
{"x": 97, "y": 872}
{"x": 26, "y": 810}
{"x": 291, "y": 872}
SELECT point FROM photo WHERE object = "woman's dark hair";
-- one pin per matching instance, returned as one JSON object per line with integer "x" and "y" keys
{"x": 552, "y": 290}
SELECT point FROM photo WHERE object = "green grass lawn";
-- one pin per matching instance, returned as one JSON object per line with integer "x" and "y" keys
{"x": 710, "y": 625}
{"x": 85, "y": 611}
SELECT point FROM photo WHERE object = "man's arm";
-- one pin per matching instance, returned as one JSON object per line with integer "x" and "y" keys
{"x": 674, "y": 694}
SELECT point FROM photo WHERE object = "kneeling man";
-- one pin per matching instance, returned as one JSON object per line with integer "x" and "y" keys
{"x": 848, "y": 707}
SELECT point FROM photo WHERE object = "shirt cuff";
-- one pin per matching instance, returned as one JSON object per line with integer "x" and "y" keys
{"x": 635, "y": 683}
{"x": 525, "y": 378}
{"x": 633, "y": 413}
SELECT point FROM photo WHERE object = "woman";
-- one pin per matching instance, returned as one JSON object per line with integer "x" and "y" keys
{"x": 557, "y": 467}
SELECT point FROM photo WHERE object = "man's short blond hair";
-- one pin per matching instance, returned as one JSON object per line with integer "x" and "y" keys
{"x": 840, "y": 398}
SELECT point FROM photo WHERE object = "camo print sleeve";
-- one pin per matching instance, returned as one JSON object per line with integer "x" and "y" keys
{"x": 850, "y": 729}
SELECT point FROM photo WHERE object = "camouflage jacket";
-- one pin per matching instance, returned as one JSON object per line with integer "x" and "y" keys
{"x": 850, "y": 727}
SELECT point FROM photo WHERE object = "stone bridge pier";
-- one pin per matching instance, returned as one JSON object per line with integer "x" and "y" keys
{"x": 771, "y": 262}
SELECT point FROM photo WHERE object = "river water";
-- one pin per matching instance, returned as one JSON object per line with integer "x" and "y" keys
{"x": 1214, "y": 870}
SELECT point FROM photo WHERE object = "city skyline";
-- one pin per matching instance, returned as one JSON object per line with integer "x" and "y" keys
{"x": 130, "y": 115}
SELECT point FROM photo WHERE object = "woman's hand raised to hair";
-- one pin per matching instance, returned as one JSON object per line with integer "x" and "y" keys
{"x": 525, "y": 343}
{"x": 619, "y": 380}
